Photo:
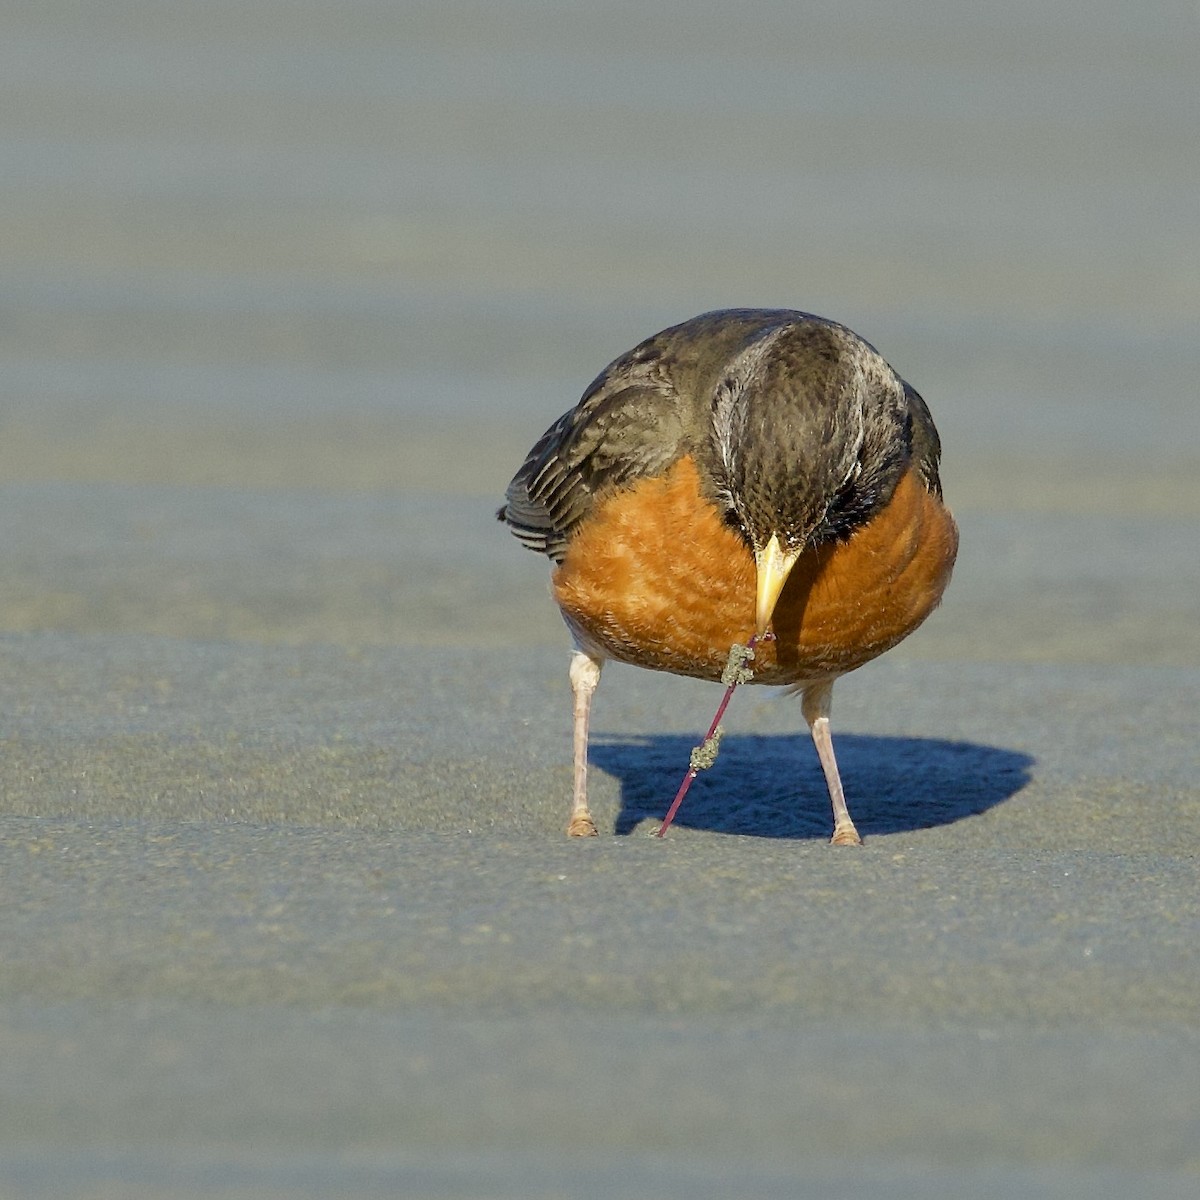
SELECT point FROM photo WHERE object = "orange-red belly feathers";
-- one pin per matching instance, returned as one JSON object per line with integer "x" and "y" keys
{"x": 656, "y": 578}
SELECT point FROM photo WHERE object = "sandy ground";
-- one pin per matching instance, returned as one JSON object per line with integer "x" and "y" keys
{"x": 284, "y": 724}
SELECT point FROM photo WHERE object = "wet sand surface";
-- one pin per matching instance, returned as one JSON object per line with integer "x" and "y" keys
{"x": 284, "y": 722}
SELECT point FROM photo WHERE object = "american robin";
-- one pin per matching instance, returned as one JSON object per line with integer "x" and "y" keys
{"x": 751, "y": 471}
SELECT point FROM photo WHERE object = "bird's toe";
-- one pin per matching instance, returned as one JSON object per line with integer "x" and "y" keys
{"x": 582, "y": 825}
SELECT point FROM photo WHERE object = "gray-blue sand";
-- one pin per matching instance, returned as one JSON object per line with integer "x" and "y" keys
{"x": 288, "y": 291}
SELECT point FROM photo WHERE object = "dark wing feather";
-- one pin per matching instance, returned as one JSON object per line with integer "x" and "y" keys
{"x": 926, "y": 445}
{"x": 626, "y": 427}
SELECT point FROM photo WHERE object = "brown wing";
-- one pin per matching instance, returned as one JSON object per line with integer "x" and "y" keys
{"x": 627, "y": 426}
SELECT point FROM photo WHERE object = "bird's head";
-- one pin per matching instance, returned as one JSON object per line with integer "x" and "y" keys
{"x": 798, "y": 429}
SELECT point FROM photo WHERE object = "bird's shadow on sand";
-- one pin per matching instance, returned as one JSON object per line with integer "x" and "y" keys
{"x": 772, "y": 785}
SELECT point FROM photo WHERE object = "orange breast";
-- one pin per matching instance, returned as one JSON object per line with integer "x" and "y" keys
{"x": 655, "y": 577}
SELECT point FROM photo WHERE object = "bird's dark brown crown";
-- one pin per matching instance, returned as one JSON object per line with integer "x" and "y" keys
{"x": 810, "y": 434}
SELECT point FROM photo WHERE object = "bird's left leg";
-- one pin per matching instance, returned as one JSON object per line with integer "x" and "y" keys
{"x": 585, "y": 675}
{"x": 815, "y": 703}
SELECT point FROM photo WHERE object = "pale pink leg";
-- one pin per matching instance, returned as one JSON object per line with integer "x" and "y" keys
{"x": 815, "y": 703}
{"x": 585, "y": 675}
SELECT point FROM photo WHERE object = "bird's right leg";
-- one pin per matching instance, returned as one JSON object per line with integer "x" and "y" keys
{"x": 585, "y": 675}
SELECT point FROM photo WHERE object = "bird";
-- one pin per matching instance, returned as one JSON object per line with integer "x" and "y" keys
{"x": 749, "y": 472}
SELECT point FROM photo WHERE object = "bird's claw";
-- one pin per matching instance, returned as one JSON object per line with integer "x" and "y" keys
{"x": 582, "y": 825}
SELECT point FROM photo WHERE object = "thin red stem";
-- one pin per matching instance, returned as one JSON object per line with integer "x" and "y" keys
{"x": 692, "y": 772}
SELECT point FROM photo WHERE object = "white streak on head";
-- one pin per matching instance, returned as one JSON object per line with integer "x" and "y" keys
{"x": 860, "y": 411}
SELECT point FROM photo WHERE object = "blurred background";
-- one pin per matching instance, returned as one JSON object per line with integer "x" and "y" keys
{"x": 288, "y": 288}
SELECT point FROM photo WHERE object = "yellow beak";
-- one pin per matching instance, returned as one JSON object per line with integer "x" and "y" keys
{"x": 774, "y": 565}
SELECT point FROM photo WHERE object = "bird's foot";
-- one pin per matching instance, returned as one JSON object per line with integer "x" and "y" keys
{"x": 582, "y": 825}
{"x": 845, "y": 835}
